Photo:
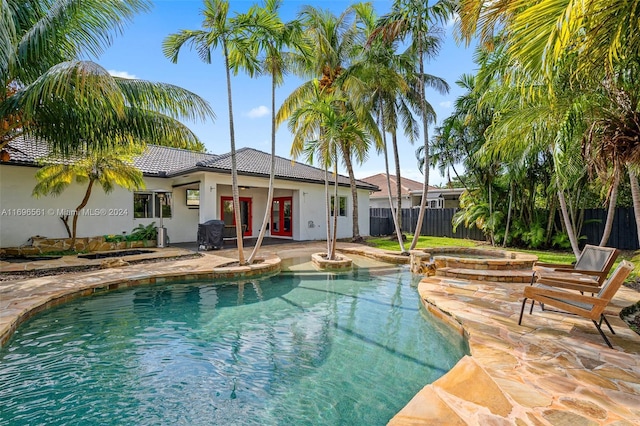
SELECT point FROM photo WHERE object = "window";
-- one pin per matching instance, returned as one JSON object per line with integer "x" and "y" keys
{"x": 147, "y": 204}
{"x": 438, "y": 203}
{"x": 193, "y": 198}
{"x": 342, "y": 206}
{"x": 142, "y": 205}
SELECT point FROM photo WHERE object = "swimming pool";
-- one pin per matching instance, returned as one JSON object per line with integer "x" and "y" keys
{"x": 304, "y": 348}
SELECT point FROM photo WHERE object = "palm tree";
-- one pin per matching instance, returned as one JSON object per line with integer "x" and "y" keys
{"x": 378, "y": 69}
{"x": 272, "y": 41}
{"x": 599, "y": 33}
{"x": 599, "y": 39}
{"x": 333, "y": 43}
{"x": 47, "y": 93}
{"x": 414, "y": 18}
{"x": 107, "y": 169}
{"x": 321, "y": 126}
{"x": 231, "y": 34}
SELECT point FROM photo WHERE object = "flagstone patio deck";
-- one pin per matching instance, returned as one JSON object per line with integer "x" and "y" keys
{"x": 554, "y": 369}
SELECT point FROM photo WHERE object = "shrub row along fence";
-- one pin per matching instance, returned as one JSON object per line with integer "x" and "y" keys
{"x": 437, "y": 223}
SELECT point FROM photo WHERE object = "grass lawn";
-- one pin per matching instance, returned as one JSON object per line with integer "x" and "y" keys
{"x": 546, "y": 256}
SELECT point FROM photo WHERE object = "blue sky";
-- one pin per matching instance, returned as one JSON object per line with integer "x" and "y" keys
{"x": 138, "y": 53}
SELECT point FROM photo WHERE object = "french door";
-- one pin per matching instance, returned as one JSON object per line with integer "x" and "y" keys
{"x": 281, "y": 217}
{"x": 229, "y": 217}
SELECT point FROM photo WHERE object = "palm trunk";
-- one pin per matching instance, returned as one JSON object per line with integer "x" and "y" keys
{"x": 425, "y": 134}
{"x": 635, "y": 195}
{"x": 74, "y": 226}
{"x": 328, "y": 210}
{"x": 567, "y": 223}
{"x": 550, "y": 219}
{"x": 336, "y": 205}
{"x": 386, "y": 167}
{"x": 354, "y": 194}
{"x": 493, "y": 240}
{"x": 267, "y": 213}
{"x": 611, "y": 211}
{"x": 396, "y": 159}
{"x": 506, "y": 230}
{"x": 234, "y": 167}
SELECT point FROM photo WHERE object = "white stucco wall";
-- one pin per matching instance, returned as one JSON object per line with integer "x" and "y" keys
{"x": 23, "y": 216}
{"x": 383, "y": 202}
{"x": 16, "y": 202}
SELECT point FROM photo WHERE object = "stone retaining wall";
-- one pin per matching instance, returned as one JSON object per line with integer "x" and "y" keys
{"x": 42, "y": 245}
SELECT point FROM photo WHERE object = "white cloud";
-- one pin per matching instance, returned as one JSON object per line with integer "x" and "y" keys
{"x": 258, "y": 112}
{"x": 122, "y": 74}
{"x": 453, "y": 20}
{"x": 446, "y": 104}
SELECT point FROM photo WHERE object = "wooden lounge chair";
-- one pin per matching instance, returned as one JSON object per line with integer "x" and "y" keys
{"x": 572, "y": 302}
{"x": 591, "y": 268}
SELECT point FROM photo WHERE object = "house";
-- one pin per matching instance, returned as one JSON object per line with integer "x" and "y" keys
{"x": 192, "y": 188}
{"x": 411, "y": 193}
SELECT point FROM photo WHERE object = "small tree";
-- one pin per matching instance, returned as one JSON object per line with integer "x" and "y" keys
{"x": 108, "y": 169}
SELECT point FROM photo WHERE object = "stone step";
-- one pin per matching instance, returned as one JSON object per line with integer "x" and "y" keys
{"x": 510, "y": 276}
{"x": 466, "y": 395}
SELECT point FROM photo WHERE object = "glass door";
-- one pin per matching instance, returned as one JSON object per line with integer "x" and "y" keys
{"x": 281, "y": 216}
{"x": 229, "y": 217}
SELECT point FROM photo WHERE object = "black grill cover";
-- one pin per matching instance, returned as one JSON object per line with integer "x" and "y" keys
{"x": 210, "y": 235}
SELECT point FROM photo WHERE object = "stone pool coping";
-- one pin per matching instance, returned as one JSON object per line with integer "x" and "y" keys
{"x": 554, "y": 369}
{"x": 21, "y": 299}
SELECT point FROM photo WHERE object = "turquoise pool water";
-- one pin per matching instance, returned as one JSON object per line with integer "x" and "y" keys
{"x": 292, "y": 349}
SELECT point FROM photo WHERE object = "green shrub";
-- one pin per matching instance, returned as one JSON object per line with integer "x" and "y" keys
{"x": 114, "y": 238}
{"x": 142, "y": 233}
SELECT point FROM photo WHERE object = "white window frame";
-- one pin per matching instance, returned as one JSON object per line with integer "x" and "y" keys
{"x": 154, "y": 203}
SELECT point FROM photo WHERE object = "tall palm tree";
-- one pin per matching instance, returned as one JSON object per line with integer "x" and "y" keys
{"x": 334, "y": 41}
{"x": 417, "y": 20}
{"x": 272, "y": 40}
{"x": 106, "y": 169}
{"x": 555, "y": 126}
{"x": 231, "y": 34}
{"x": 377, "y": 69}
{"x": 48, "y": 93}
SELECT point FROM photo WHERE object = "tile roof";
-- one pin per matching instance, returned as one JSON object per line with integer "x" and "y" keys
{"x": 165, "y": 161}
{"x": 27, "y": 151}
{"x": 156, "y": 160}
{"x": 257, "y": 163}
{"x": 406, "y": 185}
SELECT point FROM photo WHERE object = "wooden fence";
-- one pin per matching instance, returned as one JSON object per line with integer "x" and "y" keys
{"x": 437, "y": 223}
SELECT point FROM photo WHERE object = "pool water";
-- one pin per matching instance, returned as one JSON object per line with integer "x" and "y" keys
{"x": 290, "y": 349}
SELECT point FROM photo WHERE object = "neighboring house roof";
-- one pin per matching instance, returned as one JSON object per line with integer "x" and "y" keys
{"x": 167, "y": 162}
{"x": 407, "y": 186}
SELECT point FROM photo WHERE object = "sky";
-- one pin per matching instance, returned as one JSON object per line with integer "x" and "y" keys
{"x": 137, "y": 53}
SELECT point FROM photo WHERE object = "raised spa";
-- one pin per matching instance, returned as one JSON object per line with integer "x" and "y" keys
{"x": 475, "y": 258}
